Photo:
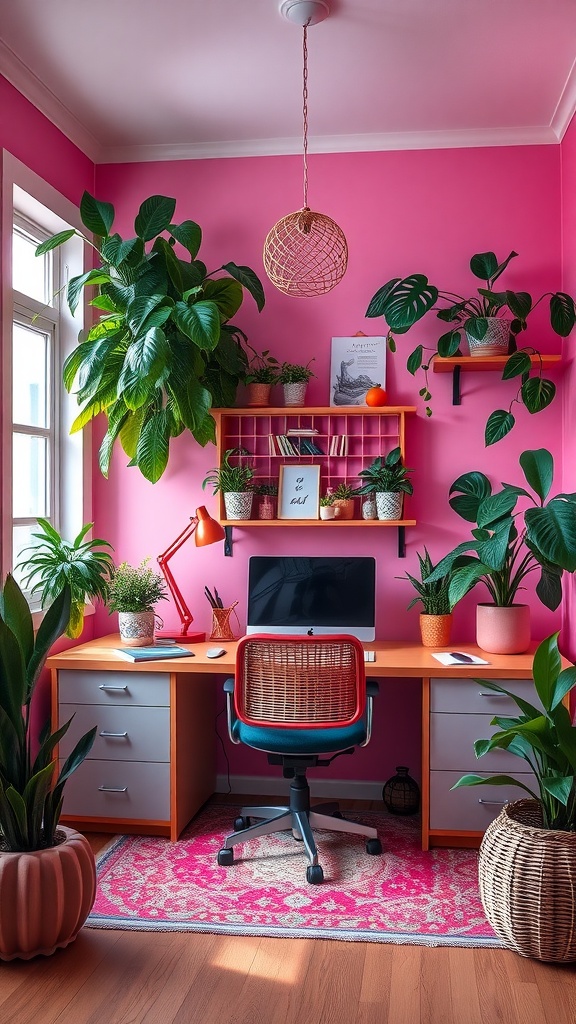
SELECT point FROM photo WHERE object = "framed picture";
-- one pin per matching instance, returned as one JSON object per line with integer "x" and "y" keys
{"x": 357, "y": 364}
{"x": 299, "y": 492}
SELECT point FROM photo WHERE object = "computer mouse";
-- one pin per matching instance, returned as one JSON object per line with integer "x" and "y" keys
{"x": 215, "y": 652}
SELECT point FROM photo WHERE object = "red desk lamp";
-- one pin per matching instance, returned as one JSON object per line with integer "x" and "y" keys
{"x": 206, "y": 531}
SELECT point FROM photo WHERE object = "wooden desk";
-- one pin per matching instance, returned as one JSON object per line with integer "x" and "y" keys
{"x": 154, "y": 776}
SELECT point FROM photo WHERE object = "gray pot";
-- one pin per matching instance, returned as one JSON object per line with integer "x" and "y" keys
{"x": 295, "y": 393}
{"x": 238, "y": 504}
{"x": 389, "y": 504}
{"x": 136, "y": 628}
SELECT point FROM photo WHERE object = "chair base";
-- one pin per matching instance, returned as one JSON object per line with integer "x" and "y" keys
{"x": 301, "y": 819}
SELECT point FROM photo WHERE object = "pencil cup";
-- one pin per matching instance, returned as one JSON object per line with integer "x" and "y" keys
{"x": 221, "y": 624}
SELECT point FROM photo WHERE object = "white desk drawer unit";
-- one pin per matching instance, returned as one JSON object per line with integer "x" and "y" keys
{"x": 461, "y": 711}
{"x": 128, "y": 790}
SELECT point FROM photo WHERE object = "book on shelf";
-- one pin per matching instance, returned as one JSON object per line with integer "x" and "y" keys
{"x": 309, "y": 447}
{"x": 302, "y": 431}
{"x": 339, "y": 444}
{"x": 155, "y": 653}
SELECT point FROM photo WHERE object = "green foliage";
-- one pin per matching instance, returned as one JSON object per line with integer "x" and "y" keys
{"x": 162, "y": 352}
{"x": 31, "y": 787}
{"x": 543, "y": 735}
{"x": 263, "y": 369}
{"x": 404, "y": 302}
{"x": 344, "y": 492}
{"x": 135, "y": 588}
{"x": 266, "y": 489}
{"x": 54, "y": 563}
{"x": 386, "y": 474}
{"x": 434, "y": 594}
{"x": 326, "y": 500}
{"x": 294, "y": 373}
{"x": 508, "y": 544}
{"x": 230, "y": 477}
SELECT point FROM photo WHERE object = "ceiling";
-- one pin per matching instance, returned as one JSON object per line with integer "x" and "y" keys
{"x": 134, "y": 80}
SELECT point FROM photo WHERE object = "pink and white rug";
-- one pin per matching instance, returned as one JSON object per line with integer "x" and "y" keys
{"x": 403, "y": 896}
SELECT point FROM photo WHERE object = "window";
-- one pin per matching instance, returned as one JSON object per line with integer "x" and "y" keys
{"x": 44, "y": 468}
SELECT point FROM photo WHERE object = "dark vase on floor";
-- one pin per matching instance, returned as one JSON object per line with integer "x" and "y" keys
{"x": 401, "y": 794}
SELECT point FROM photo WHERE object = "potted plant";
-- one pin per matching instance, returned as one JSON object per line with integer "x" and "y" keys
{"x": 267, "y": 500}
{"x": 327, "y": 510}
{"x": 262, "y": 373}
{"x": 486, "y": 315}
{"x": 436, "y": 617}
{"x": 53, "y": 563}
{"x": 47, "y": 872}
{"x": 343, "y": 498}
{"x": 527, "y": 865}
{"x": 387, "y": 478}
{"x": 162, "y": 352}
{"x": 132, "y": 592}
{"x": 234, "y": 481}
{"x": 294, "y": 378}
{"x": 508, "y": 544}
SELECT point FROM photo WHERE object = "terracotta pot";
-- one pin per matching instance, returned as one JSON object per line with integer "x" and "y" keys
{"x": 496, "y": 340}
{"x": 258, "y": 395}
{"x": 389, "y": 504}
{"x": 503, "y": 630}
{"x": 45, "y": 896}
{"x": 346, "y": 506}
{"x": 435, "y": 630}
{"x": 136, "y": 628}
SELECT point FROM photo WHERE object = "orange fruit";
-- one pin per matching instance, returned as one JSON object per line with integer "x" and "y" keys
{"x": 376, "y": 396}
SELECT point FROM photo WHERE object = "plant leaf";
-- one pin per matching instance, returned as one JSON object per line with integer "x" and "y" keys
{"x": 562, "y": 314}
{"x": 552, "y": 529}
{"x": 189, "y": 234}
{"x": 154, "y": 216}
{"x": 538, "y": 468}
{"x": 249, "y": 280}
{"x": 537, "y": 393}
{"x": 98, "y": 217}
{"x": 499, "y": 424}
{"x": 518, "y": 363}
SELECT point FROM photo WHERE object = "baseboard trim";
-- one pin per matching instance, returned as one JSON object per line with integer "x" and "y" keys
{"x": 264, "y": 785}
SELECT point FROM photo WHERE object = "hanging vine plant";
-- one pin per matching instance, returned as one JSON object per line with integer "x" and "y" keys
{"x": 163, "y": 351}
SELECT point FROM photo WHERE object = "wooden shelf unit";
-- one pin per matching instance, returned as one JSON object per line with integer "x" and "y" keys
{"x": 369, "y": 431}
{"x": 472, "y": 364}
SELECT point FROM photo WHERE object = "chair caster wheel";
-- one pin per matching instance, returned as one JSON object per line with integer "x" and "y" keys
{"x": 373, "y": 846}
{"x": 225, "y": 857}
{"x": 241, "y": 823}
{"x": 314, "y": 874}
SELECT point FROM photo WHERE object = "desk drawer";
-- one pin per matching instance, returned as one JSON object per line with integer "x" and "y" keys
{"x": 471, "y": 808}
{"x": 134, "y": 733}
{"x": 470, "y": 697}
{"x": 452, "y": 745}
{"x": 84, "y": 687}
{"x": 132, "y": 789}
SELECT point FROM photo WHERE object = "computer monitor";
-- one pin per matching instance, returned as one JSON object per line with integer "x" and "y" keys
{"x": 300, "y": 595}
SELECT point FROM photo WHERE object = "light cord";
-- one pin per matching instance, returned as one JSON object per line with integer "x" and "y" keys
{"x": 305, "y": 110}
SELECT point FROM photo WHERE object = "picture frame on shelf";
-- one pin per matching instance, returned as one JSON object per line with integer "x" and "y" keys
{"x": 299, "y": 492}
{"x": 357, "y": 364}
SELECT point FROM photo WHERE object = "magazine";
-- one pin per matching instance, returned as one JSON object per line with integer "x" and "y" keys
{"x": 357, "y": 364}
{"x": 156, "y": 653}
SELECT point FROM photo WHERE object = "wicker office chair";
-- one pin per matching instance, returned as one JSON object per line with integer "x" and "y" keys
{"x": 298, "y": 698}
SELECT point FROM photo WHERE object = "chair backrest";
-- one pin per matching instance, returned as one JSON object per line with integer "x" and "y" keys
{"x": 300, "y": 681}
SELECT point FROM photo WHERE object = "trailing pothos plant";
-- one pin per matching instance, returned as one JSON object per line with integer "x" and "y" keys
{"x": 163, "y": 351}
{"x": 403, "y": 302}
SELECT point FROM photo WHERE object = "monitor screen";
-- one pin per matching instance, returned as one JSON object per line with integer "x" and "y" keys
{"x": 312, "y": 595}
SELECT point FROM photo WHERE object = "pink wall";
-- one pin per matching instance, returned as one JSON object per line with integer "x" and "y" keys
{"x": 406, "y": 212}
{"x": 569, "y": 378}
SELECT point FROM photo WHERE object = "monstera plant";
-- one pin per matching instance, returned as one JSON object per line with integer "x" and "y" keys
{"x": 162, "y": 352}
{"x": 403, "y": 302}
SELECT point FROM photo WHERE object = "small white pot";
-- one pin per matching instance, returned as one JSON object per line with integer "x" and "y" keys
{"x": 136, "y": 628}
{"x": 389, "y": 504}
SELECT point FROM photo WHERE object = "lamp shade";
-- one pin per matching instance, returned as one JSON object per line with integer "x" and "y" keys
{"x": 208, "y": 530}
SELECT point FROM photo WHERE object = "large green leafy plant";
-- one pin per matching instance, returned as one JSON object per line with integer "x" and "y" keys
{"x": 163, "y": 351}
{"x": 54, "y": 563}
{"x": 543, "y": 736}
{"x": 509, "y": 543}
{"x": 31, "y": 786}
{"x": 403, "y": 302}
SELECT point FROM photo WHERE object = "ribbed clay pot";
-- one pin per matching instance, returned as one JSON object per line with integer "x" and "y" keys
{"x": 258, "y": 395}
{"x": 435, "y": 630}
{"x": 136, "y": 628}
{"x": 503, "y": 630}
{"x": 346, "y": 506}
{"x": 45, "y": 896}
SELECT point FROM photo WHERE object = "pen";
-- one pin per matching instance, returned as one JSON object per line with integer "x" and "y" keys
{"x": 218, "y": 599}
{"x": 210, "y": 598}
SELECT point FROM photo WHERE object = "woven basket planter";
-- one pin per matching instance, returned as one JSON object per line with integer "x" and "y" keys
{"x": 527, "y": 880}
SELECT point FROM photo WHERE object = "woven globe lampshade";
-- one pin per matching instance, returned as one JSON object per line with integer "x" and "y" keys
{"x": 306, "y": 252}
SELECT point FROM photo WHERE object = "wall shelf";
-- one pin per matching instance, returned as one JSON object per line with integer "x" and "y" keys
{"x": 349, "y": 438}
{"x": 456, "y": 365}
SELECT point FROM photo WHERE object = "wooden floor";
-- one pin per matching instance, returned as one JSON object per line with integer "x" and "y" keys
{"x": 115, "y": 977}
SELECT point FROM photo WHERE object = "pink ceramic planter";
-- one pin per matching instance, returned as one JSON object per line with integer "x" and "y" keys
{"x": 503, "y": 630}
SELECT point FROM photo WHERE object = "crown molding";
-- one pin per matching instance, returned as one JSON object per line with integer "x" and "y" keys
{"x": 23, "y": 78}
{"x": 464, "y": 139}
{"x": 566, "y": 106}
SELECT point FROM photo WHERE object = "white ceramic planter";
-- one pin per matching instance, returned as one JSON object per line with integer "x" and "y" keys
{"x": 389, "y": 504}
{"x": 238, "y": 504}
{"x": 136, "y": 628}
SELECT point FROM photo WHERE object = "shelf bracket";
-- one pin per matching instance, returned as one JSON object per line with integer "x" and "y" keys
{"x": 456, "y": 397}
{"x": 228, "y": 541}
{"x": 401, "y": 542}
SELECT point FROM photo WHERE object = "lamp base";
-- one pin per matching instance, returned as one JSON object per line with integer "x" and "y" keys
{"x": 178, "y": 637}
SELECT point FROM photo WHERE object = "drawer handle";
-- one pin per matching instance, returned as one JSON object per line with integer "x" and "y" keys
{"x": 497, "y": 803}
{"x": 481, "y": 694}
{"x": 115, "y": 735}
{"x": 113, "y": 789}
{"x": 104, "y": 687}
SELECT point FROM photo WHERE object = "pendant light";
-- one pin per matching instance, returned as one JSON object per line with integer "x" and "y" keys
{"x": 306, "y": 252}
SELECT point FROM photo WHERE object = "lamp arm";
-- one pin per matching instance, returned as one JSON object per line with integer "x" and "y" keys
{"x": 184, "y": 613}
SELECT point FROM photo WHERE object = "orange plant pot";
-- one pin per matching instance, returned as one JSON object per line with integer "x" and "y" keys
{"x": 435, "y": 630}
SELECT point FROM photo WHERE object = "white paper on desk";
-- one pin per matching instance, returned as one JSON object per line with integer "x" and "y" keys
{"x": 445, "y": 658}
